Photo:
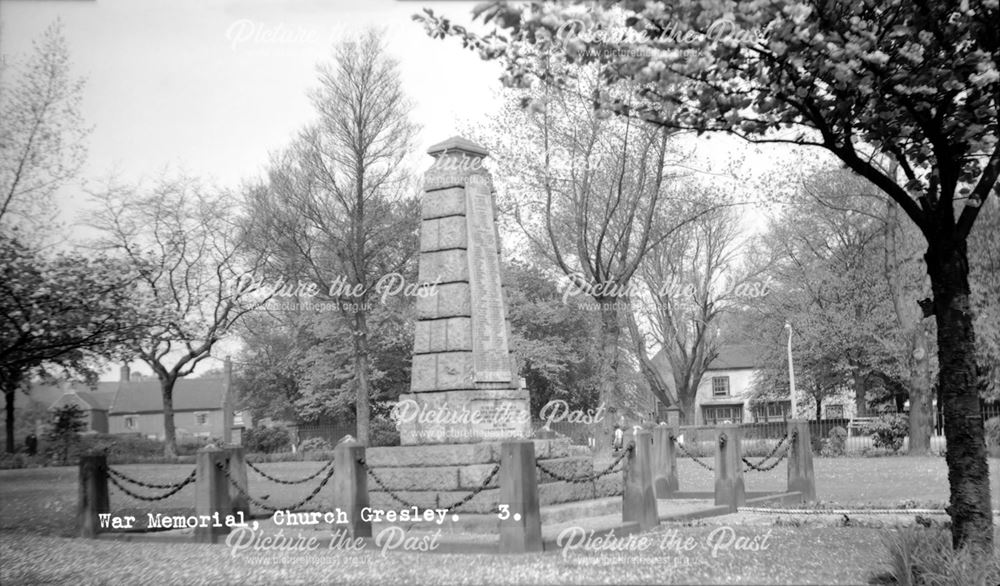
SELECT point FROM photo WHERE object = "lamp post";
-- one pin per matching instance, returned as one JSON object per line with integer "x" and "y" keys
{"x": 791, "y": 370}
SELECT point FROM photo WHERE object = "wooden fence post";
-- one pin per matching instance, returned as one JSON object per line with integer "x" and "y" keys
{"x": 521, "y": 531}
{"x": 211, "y": 493}
{"x": 639, "y": 499}
{"x": 729, "y": 488}
{"x": 664, "y": 461}
{"x": 93, "y": 499}
{"x": 238, "y": 472}
{"x": 800, "y": 461}
{"x": 350, "y": 486}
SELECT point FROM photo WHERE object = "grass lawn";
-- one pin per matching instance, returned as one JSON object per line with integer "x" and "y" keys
{"x": 884, "y": 481}
{"x": 792, "y": 556}
{"x": 37, "y": 508}
{"x": 43, "y": 500}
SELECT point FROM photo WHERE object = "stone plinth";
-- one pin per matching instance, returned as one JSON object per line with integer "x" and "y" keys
{"x": 463, "y": 416}
{"x": 464, "y": 385}
{"x": 440, "y": 475}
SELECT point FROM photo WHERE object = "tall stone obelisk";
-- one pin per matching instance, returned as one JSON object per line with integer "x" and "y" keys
{"x": 464, "y": 386}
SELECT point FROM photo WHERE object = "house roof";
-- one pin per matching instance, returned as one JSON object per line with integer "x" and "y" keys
{"x": 98, "y": 397}
{"x": 735, "y": 357}
{"x": 88, "y": 400}
{"x": 144, "y": 396}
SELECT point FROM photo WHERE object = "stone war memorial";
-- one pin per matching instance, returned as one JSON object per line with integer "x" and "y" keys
{"x": 465, "y": 385}
{"x": 465, "y": 395}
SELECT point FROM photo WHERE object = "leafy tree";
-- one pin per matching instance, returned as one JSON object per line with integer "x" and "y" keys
{"x": 295, "y": 365}
{"x": 59, "y": 312}
{"x": 912, "y": 81}
{"x": 65, "y": 427}
{"x": 556, "y": 343}
{"x": 828, "y": 284}
{"x": 984, "y": 277}
{"x": 337, "y": 202}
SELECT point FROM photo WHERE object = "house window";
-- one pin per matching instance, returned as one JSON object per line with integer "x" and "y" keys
{"x": 772, "y": 411}
{"x": 201, "y": 418}
{"x": 720, "y": 386}
{"x": 714, "y": 414}
{"x": 834, "y": 411}
{"x": 130, "y": 423}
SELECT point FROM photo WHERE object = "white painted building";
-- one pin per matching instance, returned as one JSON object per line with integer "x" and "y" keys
{"x": 724, "y": 392}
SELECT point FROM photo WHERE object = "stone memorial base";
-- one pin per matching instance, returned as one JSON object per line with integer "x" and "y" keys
{"x": 461, "y": 417}
{"x": 437, "y": 476}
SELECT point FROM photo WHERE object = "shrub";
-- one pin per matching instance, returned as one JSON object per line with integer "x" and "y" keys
{"x": 836, "y": 443}
{"x": 888, "y": 431}
{"x": 919, "y": 556}
{"x": 757, "y": 448}
{"x": 190, "y": 445}
{"x": 993, "y": 432}
{"x": 123, "y": 448}
{"x": 21, "y": 460}
{"x": 816, "y": 443}
{"x": 314, "y": 444}
{"x": 383, "y": 433}
{"x": 65, "y": 427}
{"x": 267, "y": 439}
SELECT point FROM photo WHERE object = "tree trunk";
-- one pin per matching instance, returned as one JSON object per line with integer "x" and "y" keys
{"x": 968, "y": 473}
{"x": 687, "y": 404}
{"x": 362, "y": 407}
{"x": 610, "y": 350}
{"x": 921, "y": 405}
{"x": 169, "y": 431}
{"x": 860, "y": 392}
{"x": 9, "y": 419}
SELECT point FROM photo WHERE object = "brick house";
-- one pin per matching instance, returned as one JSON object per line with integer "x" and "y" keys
{"x": 134, "y": 405}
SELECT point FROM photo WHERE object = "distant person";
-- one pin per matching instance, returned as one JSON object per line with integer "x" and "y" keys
{"x": 31, "y": 442}
{"x": 617, "y": 439}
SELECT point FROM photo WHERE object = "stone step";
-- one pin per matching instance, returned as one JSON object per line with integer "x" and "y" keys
{"x": 550, "y": 515}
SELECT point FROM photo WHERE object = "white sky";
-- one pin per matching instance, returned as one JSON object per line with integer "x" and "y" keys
{"x": 211, "y": 87}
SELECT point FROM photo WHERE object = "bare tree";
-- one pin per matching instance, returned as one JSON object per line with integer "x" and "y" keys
{"x": 588, "y": 191}
{"x": 338, "y": 202}
{"x": 687, "y": 285}
{"x": 187, "y": 247}
{"x": 41, "y": 129}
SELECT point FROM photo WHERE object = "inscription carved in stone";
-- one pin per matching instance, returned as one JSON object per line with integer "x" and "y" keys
{"x": 491, "y": 352}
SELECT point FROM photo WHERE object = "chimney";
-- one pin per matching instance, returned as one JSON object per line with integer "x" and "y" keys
{"x": 125, "y": 373}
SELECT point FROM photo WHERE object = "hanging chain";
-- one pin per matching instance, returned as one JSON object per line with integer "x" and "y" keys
{"x": 266, "y": 506}
{"x": 395, "y": 496}
{"x": 590, "y": 477}
{"x": 176, "y": 488}
{"x": 759, "y": 466}
{"x": 124, "y": 478}
{"x": 697, "y": 461}
{"x": 280, "y": 481}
